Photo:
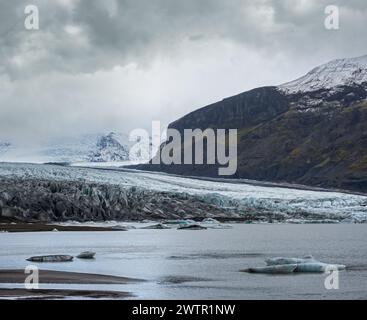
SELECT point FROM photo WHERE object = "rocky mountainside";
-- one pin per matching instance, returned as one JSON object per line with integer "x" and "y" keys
{"x": 311, "y": 131}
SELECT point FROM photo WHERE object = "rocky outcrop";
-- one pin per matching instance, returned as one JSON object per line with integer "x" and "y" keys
{"x": 244, "y": 110}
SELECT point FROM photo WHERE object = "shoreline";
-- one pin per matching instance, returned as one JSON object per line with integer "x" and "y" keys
{"x": 15, "y": 276}
{"x": 44, "y": 227}
{"x": 24, "y": 227}
{"x": 60, "y": 294}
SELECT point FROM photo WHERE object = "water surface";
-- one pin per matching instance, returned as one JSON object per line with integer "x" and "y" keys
{"x": 182, "y": 264}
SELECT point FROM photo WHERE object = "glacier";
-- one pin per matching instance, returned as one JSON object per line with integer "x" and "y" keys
{"x": 269, "y": 198}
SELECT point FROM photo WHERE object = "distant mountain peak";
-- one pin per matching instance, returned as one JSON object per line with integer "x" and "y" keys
{"x": 339, "y": 72}
{"x": 110, "y": 149}
{"x": 106, "y": 147}
{"x": 4, "y": 146}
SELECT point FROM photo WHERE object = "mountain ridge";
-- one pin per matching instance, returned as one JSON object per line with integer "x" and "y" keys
{"x": 338, "y": 72}
{"x": 314, "y": 136}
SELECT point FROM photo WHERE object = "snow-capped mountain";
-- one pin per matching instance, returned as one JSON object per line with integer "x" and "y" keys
{"x": 110, "y": 148}
{"x": 309, "y": 131}
{"x": 340, "y": 72}
{"x": 117, "y": 147}
{"x": 4, "y": 147}
{"x": 100, "y": 148}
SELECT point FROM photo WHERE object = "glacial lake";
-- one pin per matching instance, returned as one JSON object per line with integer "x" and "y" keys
{"x": 204, "y": 264}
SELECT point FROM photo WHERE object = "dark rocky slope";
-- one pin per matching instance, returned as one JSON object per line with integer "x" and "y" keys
{"x": 316, "y": 138}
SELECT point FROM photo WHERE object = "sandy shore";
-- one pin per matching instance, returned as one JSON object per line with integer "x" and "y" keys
{"x": 39, "y": 227}
{"x": 63, "y": 277}
{"x": 46, "y": 294}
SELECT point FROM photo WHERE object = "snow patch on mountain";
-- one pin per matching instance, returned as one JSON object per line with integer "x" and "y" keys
{"x": 4, "y": 147}
{"x": 70, "y": 149}
{"x": 340, "y": 72}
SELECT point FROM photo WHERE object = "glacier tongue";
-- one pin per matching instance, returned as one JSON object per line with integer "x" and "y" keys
{"x": 340, "y": 72}
{"x": 244, "y": 196}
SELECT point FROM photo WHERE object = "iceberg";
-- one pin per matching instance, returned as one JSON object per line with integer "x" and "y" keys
{"x": 158, "y": 226}
{"x": 318, "y": 267}
{"x": 210, "y": 220}
{"x": 302, "y": 265}
{"x": 191, "y": 227}
{"x": 280, "y": 261}
{"x": 306, "y": 264}
{"x": 275, "y": 269}
{"x": 86, "y": 255}
{"x": 51, "y": 258}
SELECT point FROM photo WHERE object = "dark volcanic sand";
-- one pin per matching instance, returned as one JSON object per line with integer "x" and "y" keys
{"x": 36, "y": 294}
{"x": 61, "y": 277}
{"x": 39, "y": 227}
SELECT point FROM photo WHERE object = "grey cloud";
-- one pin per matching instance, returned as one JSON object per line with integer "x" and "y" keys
{"x": 119, "y": 32}
{"x": 100, "y": 65}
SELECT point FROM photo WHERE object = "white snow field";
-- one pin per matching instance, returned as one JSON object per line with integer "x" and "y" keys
{"x": 340, "y": 72}
{"x": 329, "y": 204}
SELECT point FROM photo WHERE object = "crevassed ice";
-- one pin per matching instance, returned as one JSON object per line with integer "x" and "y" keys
{"x": 261, "y": 198}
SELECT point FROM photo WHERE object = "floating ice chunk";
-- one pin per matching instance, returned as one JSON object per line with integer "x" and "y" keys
{"x": 180, "y": 222}
{"x": 51, "y": 258}
{"x": 86, "y": 255}
{"x": 158, "y": 226}
{"x": 318, "y": 267}
{"x": 211, "y": 223}
{"x": 218, "y": 226}
{"x": 305, "y": 264}
{"x": 210, "y": 220}
{"x": 276, "y": 269}
{"x": 191, "y": 227}
{"x": 281, "y": 261}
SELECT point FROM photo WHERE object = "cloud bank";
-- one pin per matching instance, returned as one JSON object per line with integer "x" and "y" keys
{"x": 116, "y": 65}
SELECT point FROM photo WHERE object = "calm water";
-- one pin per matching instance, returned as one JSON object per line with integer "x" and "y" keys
{"x": 182, "y": 264}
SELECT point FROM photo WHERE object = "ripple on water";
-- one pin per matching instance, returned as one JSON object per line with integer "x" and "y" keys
{"x": 196, "y": 256}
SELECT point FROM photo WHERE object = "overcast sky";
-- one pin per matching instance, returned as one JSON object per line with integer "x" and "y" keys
{"x": 96, "y": 66}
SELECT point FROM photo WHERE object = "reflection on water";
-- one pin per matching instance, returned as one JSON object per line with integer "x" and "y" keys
{"x": 204, "y": 264}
